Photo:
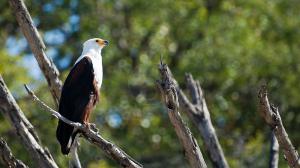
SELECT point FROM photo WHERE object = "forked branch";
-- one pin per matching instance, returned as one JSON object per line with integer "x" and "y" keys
{"x": 198, "y": 112}
{"x": 169, "y": 95}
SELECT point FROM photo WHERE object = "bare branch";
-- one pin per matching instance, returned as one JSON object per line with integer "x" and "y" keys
{"x": 7, "y": 157}
{"x": 94, "y": 137}
{"x": 10, "y": 109}
{"x": 190, "y": 145}
{"x": 199, "y": 114}
{"x": 274, "y": 152}
{"x": 272, "y": 118}
{"x": 38, "y": 47}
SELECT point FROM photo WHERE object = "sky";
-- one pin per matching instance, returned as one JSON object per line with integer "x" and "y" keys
{"x": 18, "y": 46}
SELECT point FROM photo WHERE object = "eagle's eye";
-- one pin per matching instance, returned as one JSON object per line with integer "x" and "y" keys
{"x": 97, "y": 41}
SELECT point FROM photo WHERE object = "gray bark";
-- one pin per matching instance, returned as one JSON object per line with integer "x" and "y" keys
{"x": 37, "y": 47}
{"x": 189, "y": 143}
{"x": 46, "y": 64}
{"x": 198, "y": 112}
{"x": 272, "y": 118}
{"x": 25, "y": 131}
{"x": 91, "y": 134}
{"x": 7, "y": 158}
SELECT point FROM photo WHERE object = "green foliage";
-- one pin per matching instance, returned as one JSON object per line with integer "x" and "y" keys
{"x": 230, "y": 46}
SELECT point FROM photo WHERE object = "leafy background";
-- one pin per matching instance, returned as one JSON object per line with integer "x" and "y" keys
{"x": 230, "y": 46}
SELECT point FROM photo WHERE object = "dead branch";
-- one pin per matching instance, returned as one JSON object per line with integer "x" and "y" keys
{"x": 46, "y": 64}
{"x": 25, "y": 131}
{"x": 198, "y": 112}
{"x": 94, "y": 137}
{"x": 8, "y": 158}
{"x": 272, "y": 118}
{"x": 37, "y": 47}
{"x": 189, "y": 143}
{"x": 274, "y": 152}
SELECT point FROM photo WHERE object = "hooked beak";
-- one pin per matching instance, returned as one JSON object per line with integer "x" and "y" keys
{"x": 102, "y": 43}
{"x": 105, "y": 42}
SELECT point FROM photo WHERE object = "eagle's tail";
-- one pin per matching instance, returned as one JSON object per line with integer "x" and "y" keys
{"x": 65, "y": 134}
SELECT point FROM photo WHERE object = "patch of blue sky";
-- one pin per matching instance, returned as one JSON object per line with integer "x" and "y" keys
{"x": 49, "y": 7}
{"x": 51, "y": 52}
{"x": 54, "y": 37}
{"x": 64, "y": 62}
{"x": 114, "y": 119}
{"x": 73, "y": 24}
{"x": 74, "y": 19}
{"x": 31, "y": 64}
{"x": 15, "y": 46}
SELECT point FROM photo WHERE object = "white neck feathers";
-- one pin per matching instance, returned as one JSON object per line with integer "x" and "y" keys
{"x": 90, "y": 52}
{"x": 95, "y": 56}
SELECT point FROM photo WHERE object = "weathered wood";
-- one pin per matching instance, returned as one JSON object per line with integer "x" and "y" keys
{"x": 25, "y": 131}
{"x": 37, "y": 47}
{"x": 94, "y": 137}
{"x": 272, "y": 118}
{"x": 198, "y": 112}
{"x": 274, "y": 152}
{"x": 189, "y": 143}
{"x": 8, "y": 158}
{"x": 46, "y": 64}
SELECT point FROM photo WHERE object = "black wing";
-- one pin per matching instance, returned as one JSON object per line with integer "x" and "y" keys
{"x": 75, "y": 97}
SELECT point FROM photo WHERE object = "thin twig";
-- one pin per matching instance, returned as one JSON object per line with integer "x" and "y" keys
{"x": 92, "y": 136}
{"x": 54, "y": 113}
{"x": 272, "y": 118}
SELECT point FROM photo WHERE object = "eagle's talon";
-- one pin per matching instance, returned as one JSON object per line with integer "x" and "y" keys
{"x": 92, "y": 126}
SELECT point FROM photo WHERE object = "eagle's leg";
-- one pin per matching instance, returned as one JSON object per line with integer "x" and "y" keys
{"x": 86, "y": 115}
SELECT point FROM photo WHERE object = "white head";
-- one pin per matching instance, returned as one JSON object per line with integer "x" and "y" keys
{"x": 95, "y": 44}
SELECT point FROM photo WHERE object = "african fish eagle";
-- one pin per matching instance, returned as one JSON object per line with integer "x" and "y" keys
{"x": 80, "y": 92}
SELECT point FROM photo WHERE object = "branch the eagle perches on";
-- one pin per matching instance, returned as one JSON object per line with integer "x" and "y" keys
{"x": 92, "y": 135}
{"x": 51, "y": 74}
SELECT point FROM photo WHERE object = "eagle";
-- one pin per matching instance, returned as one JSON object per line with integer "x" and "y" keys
{"x": 80, "y": 91}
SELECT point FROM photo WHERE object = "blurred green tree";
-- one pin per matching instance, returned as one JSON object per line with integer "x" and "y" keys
{"x": 230, "y": 46}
